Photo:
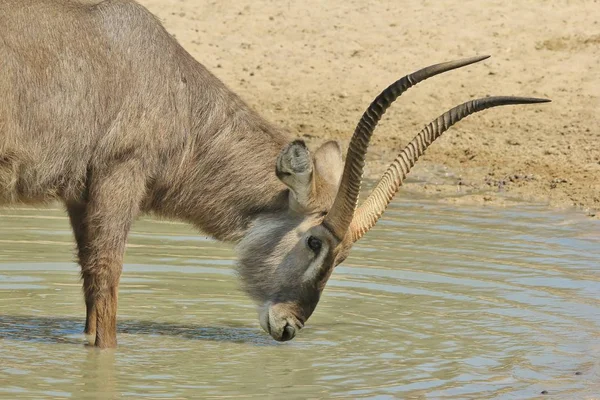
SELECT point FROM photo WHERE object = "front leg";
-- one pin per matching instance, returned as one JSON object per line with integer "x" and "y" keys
{"x": 114, "y": 199}
{"x": 77, "y": 215}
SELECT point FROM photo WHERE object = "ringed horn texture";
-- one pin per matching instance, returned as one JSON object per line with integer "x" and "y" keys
{"x": 343, "y": 215}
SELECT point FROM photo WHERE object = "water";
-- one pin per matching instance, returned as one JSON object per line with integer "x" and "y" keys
{"x": 437, "y": 302}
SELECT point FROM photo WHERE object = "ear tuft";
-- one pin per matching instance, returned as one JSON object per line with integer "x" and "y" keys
{"x": 294, "y": 159}
{"x": 295, "y": 169}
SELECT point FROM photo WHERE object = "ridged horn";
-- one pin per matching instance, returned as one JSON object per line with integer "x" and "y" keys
{"x": 370, "y": 211}
{"x": 341, "y": 214}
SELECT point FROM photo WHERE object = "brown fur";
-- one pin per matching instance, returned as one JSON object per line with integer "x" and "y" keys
{"x": 105, "y": 111}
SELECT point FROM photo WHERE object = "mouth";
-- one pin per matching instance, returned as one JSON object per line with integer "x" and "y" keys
{"x": 281, "y": 327}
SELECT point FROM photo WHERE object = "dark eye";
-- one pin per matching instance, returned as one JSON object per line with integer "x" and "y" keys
{"x": 314, "y": 244}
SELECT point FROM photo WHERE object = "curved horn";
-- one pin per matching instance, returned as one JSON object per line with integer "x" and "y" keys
{"x": 371, "y": 210}
{"x": 340, "y": 216}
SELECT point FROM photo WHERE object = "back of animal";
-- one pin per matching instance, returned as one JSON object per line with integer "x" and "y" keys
{"x": 82, "y": 82}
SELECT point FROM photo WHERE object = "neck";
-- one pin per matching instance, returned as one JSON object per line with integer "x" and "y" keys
{"x": 224, "y": 178}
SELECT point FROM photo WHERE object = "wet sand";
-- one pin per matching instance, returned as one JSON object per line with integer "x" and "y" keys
{"x": 313, "y": 67}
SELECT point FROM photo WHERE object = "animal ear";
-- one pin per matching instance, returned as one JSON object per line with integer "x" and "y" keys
{"x": 329, "y": 164}
{"x": 295, "y": 169}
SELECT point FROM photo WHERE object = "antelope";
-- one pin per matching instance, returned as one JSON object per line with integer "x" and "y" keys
{"x": 104, "y": 111}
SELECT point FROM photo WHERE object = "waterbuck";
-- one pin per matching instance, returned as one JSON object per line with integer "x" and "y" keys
{"x": 103, "y": 110}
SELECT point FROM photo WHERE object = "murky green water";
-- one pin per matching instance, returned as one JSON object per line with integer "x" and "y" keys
{"x": 437, "y": 302}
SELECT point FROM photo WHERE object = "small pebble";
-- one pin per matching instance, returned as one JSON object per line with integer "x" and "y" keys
{"x": 578, "y": 373}
{"x": 544, "y": 392}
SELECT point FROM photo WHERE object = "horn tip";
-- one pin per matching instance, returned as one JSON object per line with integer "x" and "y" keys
{"x": 470, "y": 60}
{"x": 538, "y": 100}
{"x": 479, "y": 58}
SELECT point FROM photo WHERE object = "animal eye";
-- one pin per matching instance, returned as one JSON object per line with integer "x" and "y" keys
{"x": 314, "y": 244}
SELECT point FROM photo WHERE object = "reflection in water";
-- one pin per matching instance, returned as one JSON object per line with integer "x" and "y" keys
{"x": 65, "y": 330}
{"x": 435, "y": 302}
{"x": 98, "y": 375}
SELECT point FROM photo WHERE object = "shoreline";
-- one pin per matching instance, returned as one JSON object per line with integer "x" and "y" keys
{"x": 440, "y": 184}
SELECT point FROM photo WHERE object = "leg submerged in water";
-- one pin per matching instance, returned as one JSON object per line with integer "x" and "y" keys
{"x": 77, "y": 216}
{"x": 114, "y": 199}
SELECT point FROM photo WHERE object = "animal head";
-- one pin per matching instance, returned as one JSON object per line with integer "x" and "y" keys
{"x": 285, "y": 259}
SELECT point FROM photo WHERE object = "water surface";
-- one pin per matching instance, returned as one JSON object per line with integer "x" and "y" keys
{"x": 437, "y": 302}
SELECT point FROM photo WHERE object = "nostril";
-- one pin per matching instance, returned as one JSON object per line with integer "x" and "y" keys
{"x": 288, "y": 333}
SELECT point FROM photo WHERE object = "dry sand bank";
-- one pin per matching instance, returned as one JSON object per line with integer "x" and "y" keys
{"x": 313, "y": 67}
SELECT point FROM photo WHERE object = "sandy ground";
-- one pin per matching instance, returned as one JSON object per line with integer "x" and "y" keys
{"x": 314, "y": 66}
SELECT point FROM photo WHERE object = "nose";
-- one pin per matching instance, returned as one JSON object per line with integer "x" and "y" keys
{"x": 288, "y": 333}
{"x": 279, "y": 322}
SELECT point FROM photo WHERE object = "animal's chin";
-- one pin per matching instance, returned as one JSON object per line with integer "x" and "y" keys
{"x": 282, "y": 326}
